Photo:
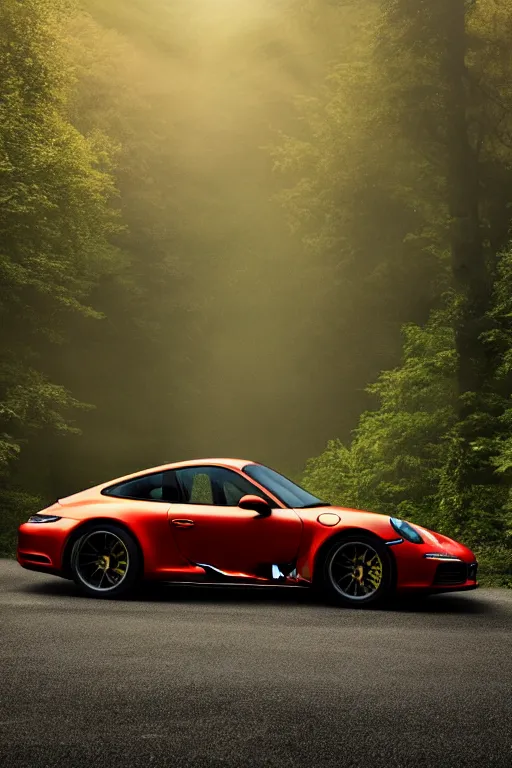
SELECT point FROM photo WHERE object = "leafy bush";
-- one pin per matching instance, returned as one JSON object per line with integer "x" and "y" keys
{"x": 15, "y": 508}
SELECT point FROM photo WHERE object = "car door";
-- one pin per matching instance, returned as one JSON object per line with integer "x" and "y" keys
{"x": 211, "y": 529}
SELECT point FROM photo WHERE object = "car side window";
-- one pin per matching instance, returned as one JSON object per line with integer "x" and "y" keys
{"x": 157, "y": 486}
{"x": 232, "y": 493}
{"x": 216, "y": 486}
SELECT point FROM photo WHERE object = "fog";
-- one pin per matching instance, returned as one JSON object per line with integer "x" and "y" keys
{"x": 250, "y": 384}
{"x": 255, "y": 365}
{"x": 234, "y": 325}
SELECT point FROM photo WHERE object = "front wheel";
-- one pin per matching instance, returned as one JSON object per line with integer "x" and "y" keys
{"x": 105, "y": 561}
{"x": 357, "y": 571}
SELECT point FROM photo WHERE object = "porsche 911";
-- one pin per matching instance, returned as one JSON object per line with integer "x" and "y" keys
{"x": 230, "y": 521}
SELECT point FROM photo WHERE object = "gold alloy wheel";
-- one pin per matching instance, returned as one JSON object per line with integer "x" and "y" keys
{"x": 356, "y": 570}
{"x": 101, "y": 560}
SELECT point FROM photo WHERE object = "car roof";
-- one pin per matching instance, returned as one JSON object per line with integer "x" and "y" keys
{"x": 237, "y": 463}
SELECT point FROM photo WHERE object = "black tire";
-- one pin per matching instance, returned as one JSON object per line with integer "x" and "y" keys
{"x": 365, "y": 581}
{"x": 105, "y": 561}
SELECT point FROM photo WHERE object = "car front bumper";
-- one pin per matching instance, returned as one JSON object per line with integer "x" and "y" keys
{"x": 41, "y": 545}
{"x": 417, "y": 568}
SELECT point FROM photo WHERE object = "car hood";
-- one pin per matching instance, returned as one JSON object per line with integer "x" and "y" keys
{"x": 345, "y": 513}
{"x": 346, "y": 517}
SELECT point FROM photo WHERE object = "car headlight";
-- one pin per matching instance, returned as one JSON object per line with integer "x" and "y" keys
{"x": 406, "y": 530}
{"x": 43, "y": 519}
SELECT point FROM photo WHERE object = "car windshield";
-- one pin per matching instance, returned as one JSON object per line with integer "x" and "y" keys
{"x": 287, "y": 492}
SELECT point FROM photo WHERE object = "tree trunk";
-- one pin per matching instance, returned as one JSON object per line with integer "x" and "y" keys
{"x": 469, "y": 269}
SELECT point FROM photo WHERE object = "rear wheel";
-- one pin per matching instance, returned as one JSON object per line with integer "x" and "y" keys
{"x": 105, "y": 561}
{"x": 357, "y": 571}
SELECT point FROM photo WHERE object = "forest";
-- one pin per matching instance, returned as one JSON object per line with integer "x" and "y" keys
{"x": 271, "y": 229}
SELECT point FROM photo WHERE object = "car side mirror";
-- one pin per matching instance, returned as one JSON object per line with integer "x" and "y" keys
{"x": 255, "y": 503}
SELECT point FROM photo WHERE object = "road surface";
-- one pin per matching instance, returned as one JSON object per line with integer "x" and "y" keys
{"x": 228, "y": 677}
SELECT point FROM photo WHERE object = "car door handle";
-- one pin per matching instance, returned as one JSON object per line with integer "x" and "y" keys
{"x": 183, "y": 523}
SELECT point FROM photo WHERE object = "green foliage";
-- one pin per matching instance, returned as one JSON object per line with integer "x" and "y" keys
{"x": 331, "y": 475}
{"x": 396, "y": 456}
{"x": 56, "y": 220}
{"x": 405, "y": 455}
{"x": 16, "y": 506}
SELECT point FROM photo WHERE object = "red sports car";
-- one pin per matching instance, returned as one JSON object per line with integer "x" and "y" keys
{"x": 237, "y": 522}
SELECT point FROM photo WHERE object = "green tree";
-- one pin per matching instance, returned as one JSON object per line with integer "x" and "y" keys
{"x": 56, "y": 222}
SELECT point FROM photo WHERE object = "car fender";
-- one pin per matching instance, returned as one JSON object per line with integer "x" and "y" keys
{"x": 317, "y": 537}
{"x": 147, "y": 524}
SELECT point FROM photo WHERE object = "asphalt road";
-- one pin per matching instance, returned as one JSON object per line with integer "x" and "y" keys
{"x": 224, "y": 677}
